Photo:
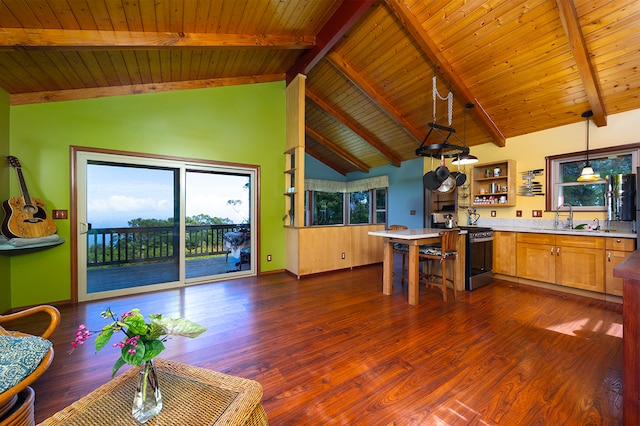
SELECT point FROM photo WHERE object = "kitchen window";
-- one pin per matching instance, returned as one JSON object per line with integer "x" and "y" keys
{"x": 563, "y": 187}
{"x": 336, "y": 203}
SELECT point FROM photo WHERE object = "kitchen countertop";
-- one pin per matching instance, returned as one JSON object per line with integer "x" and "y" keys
{"x": 580, "y": 232}
{"x": 411, "y": 234}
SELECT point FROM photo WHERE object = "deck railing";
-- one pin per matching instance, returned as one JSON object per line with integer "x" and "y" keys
{"x": 114, "y": 246}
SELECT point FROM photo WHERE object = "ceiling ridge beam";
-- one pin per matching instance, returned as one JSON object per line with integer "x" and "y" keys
{"x": 360, "y": 165}
{"x": 347, "y": 14}
{"x": 411, "y": 24}
{"x": 356, "y": 128}
{"x": 372, "y": 93}
{"x": 571, "y": 24}
{"x": 135, "y": 89}
{"x": 55, "y": 39}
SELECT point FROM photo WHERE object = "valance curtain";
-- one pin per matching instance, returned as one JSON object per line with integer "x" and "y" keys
{"x": 352, "y": 186}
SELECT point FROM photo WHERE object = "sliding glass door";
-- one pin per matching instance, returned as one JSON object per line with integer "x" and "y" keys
{"x": 146, "y": 224}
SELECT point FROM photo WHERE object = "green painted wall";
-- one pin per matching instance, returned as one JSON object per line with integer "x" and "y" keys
{"x": 240, "y": 124}
{"x": 5, "y": 275}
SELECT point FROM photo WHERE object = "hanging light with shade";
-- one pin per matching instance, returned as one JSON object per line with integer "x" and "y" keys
{"x": 587, "y": 174}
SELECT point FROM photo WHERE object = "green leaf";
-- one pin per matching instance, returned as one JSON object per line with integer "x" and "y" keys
{"x": 152, "y": 349}
{"x": 135, "y": 358}
{"x": 103, "y": 338}
{"x": 119, "y": 363}
{"x": 136, "y": 325}
{"x": 178, "y": 327}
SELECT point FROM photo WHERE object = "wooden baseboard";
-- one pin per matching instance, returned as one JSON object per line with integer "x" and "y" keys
{"x": 560, "y": 288}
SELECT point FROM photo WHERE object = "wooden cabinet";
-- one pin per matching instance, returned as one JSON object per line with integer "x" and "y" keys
{"x": 616, "y": 250}
{"x": 535, "y": 257}
{"x": 328, "y": 248}
{"x": 568, "y": 260}
{"x": 494, "y": 184}
{"x": 504, "y": 253}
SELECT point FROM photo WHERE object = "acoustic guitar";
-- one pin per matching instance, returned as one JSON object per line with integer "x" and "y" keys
{"x": 25, "y": 217}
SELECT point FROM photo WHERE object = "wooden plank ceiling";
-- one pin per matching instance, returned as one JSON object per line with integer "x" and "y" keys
{"x": 525, "y": 65}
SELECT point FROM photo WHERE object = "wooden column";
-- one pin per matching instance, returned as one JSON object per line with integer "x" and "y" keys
{"x": 629, "y": 271}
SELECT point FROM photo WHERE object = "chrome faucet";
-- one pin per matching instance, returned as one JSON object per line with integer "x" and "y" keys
{"x": 569, "y": 224}
{"x": 597, "y": 223}
{"x": 570, "y": 218}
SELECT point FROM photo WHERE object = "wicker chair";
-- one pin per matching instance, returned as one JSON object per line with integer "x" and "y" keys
{"x": 446, "y": 251}
{"x": 16, "y": 403}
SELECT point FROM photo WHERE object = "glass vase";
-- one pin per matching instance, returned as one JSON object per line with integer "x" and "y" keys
{"x": 148, "y": 399}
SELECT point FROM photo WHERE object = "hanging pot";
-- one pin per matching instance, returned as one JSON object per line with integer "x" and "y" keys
{"x": 430, "y": 181}
{"x": 442, "y": 173}
{"x": 460, "y": 178}
{"x": 447, "y": 186}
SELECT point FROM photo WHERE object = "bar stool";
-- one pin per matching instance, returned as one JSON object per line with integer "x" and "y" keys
{"x": 446, "y": 251}
{"x": 403, "y": 250}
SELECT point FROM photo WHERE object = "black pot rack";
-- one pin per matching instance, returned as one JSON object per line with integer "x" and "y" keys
{"x": 445, "y": 149}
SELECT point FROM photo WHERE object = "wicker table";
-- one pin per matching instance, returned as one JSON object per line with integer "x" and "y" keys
{"x": 190, "y": 396}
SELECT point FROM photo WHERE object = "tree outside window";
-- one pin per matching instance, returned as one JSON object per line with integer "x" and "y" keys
{"x": 359, "y": 207}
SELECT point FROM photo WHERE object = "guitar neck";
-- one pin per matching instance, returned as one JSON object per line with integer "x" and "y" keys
{"x": 23, "y": 187}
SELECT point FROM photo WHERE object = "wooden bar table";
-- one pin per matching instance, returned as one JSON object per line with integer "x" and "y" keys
{"x": 414, "y": 238}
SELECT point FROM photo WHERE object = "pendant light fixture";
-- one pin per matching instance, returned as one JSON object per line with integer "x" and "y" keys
{"x": 465, "y": 158}
{"x": 588, "y": 175}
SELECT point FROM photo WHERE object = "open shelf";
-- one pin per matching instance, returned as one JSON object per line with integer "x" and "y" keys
{"x": 11, "y": 250}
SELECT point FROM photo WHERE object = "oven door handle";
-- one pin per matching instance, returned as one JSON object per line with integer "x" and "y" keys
{"x": 480, "y": 240}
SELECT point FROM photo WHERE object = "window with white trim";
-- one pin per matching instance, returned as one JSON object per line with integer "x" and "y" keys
{"x": 587, "y": 196}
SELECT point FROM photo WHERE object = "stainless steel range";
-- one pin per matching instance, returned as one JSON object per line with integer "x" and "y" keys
{"x": 479, "y": 257}
{"x": 479, "y": 251}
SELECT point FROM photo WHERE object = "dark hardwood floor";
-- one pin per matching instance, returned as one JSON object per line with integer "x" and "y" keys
{"x": 332, "y": 349}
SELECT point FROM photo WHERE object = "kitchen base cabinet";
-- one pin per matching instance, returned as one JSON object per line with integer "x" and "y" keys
{"x": 535, "y": 257}
{"x": 567, "y": 260}
{"x": 536, "y": 262}
{"x": 617, "y": 250}
{"x": 504, "y": 248}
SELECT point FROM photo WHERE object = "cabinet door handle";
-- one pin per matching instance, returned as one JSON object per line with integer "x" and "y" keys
{"x": 558, "y": 251}
{"x": 618, "y": 241}
{"x": 609, "y": 257}
{"x": 551, "y": 251}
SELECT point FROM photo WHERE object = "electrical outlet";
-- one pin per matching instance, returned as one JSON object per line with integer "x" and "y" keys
{"x": 536, "y": 213}
{"x": 59, "y": 214}
{"x": 518, "y": 213}
{"x": 344, "y": 256}
{"x": 493, "y": 213}
{"x": 268, "y": 258}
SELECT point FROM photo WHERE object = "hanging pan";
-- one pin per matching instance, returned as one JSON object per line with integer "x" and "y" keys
{"x": 430, "y": 181}
{"x": 459, "y": 177}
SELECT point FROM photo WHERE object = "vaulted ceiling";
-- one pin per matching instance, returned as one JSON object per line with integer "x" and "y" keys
{"x": 525, "y": 65}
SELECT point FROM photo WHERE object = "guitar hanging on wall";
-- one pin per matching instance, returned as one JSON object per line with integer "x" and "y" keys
{"x": 25, "y": 217}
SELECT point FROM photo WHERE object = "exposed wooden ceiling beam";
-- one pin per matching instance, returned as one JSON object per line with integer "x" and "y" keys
{"x": 102, "y": 92}
{"x": 356, "y": 128}
{"x": 54, "y": 39}
{"x": 421, "y": 37}
{"x": 372, "y": 93}
{"x": 317, "y": 156}
{"x": 361, "y": 165}
{"x": 571, "y": 23}
{"x": 347, "y": 14}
